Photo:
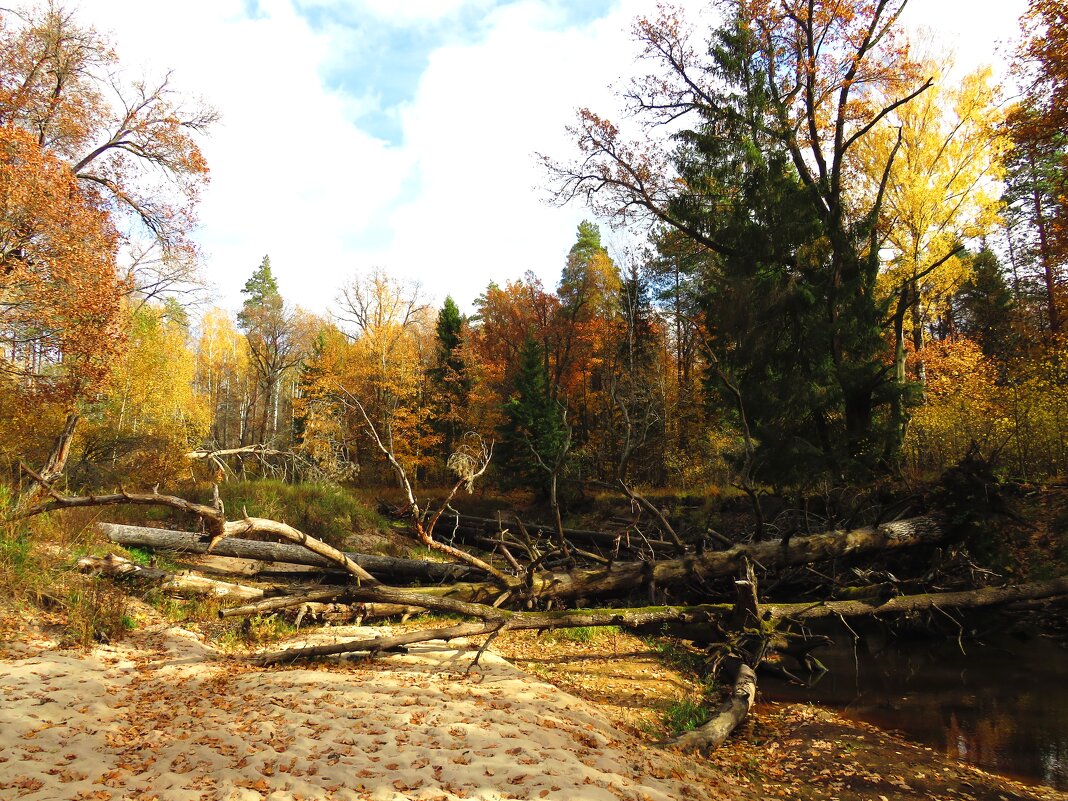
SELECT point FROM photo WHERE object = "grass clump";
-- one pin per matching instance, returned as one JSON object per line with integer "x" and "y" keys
{"x": 38, "y": 580}
{"x": 686, "y": 714}
{"x": 96, "y": 611}
{"x": 583, "y": 634}
{"x": 252, "y": 631}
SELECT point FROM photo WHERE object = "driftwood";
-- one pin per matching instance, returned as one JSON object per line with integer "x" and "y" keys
{"x": 726, "y": 719}
{"x": 382, "y": 567}
{"x": 116, "y": 567}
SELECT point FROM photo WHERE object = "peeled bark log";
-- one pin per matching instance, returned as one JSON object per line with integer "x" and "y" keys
{"x": 355, "y": 614}
{"x": 622, "y": 578}
{"x": 965, "y": 599}
{"x": 733, "y": 711}
{"x": 116, "y": 567}
{"x": 318, "y": 601}
{"x": 384, "y": 567}
{"x": 282, "y": 602}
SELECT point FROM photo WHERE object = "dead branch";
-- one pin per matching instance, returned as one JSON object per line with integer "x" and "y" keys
{"x": 424, "y": 529}
{"x": 665, "y": 526}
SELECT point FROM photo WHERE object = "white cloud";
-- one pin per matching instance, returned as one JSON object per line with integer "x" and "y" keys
{"x": 456, "y": 204}
{"x": 292, "y": 175}
{"x": 420, "y": 10}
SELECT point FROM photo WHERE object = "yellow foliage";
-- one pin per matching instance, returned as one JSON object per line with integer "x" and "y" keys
{"x": 151, "y": 413}
{"x": 942, "y": 188}
{"x": 1020, "y": 419}
{"x": 962, "y": 404}
{"x": 222, "y": 373}
{"x": 386, "y": 368}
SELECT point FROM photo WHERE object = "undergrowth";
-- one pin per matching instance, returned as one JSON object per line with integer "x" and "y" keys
{"x": 326, "y": 511}
{"x": 39, "y": 582}
{"x": 583, "y": 634}
{"x": 693, "y": 710}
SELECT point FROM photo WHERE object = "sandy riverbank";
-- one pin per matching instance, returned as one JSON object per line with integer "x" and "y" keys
{"x": 162, "y": 716}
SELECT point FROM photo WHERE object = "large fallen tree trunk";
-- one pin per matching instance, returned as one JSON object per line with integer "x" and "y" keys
{"x": 382, "y": 567}
{"x": 493, "y": 619}
{"x": 187, "y": 584}
{"x": 692, "y": 571}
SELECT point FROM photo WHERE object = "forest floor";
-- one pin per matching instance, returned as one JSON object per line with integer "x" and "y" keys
{"x": 163, "y": 715}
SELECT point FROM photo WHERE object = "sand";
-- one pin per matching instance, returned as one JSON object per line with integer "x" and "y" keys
{"x": 164, "y": 716}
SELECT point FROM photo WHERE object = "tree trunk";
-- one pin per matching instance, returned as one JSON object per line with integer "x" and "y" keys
{"x": 55, "y": 464}
{"x": 676, "y": 574}
{"x": 733, "y": 711}
{"x": 383, "y": 567}
{"x": 964, "y": 599}
{"x": 116, "y": 567}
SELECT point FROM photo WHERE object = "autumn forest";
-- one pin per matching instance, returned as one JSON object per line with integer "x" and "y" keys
{"x": 840, "y": 305}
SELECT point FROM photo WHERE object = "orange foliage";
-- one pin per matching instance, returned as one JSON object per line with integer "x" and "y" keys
{"x": 60, "y": 302}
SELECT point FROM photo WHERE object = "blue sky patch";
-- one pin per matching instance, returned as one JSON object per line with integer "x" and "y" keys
{"x": 384, "y": 60}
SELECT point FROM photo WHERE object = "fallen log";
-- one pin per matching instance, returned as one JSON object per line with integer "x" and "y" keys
{"x": 355, "y": 614}
{"x": 383, "y": 567}
{"x": 694, "y": 570}
{"x": 331, "y": 604}
{"x": 493, "y": 619}
{"x": 282, "y": 602}
{"x": 903, "y": 604}
{"x": 619, "y": 578}
{"x": 120, "y": 569}
{"x": 726, "y": 719}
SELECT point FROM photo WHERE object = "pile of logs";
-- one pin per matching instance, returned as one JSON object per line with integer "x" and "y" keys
{"x": 524, "y": 588}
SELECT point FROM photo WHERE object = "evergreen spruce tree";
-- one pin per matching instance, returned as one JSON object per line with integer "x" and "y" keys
{"x": 534, "y": 437}
{"x": 450, "y": 375}
{"x": 986, "y": 308}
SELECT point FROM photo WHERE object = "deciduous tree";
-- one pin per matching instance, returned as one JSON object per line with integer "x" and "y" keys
{"x": 135, "y": 143}
{"x": 780, "y": 95}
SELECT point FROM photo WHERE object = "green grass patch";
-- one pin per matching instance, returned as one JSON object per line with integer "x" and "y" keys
{"x": 583, "y": 634}
{"x": 686, "y": 714}
{"x": 326, "y": 511}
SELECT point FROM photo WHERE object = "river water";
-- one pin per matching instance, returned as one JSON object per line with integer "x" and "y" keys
{"x": 1002, "y": 705}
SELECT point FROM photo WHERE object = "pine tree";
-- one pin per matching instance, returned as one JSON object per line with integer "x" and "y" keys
{"x": 986, "y": 309}
{"x": 535, "y": 437}
{"x": 450, "y": 375}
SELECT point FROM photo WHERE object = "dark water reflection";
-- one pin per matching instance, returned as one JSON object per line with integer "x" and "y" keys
{"x": 1002, "y": 705}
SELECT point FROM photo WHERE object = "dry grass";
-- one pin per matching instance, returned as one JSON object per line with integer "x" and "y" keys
{"x": 41, "y": 590}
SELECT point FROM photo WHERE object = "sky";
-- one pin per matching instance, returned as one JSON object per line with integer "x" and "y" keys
{"x": 402, "y": 134}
